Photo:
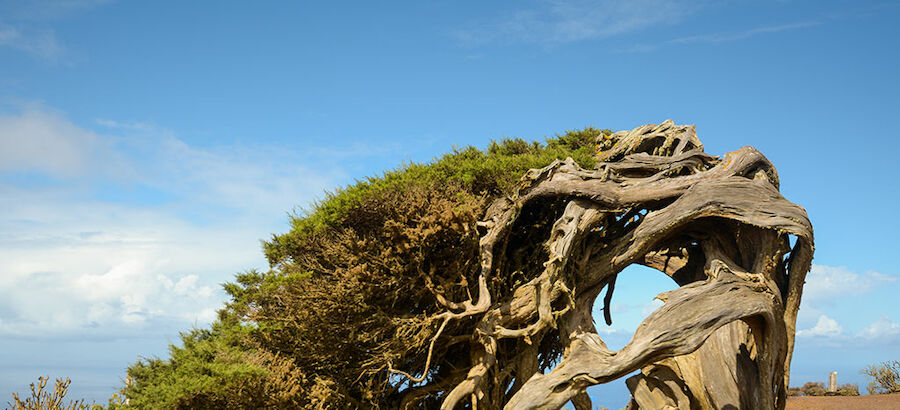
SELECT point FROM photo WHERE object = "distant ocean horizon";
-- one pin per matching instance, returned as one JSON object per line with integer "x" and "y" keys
{"x": 98, "y": 384}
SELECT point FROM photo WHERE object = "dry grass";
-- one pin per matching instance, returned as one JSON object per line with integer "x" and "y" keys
{"x": 872, "y": 402}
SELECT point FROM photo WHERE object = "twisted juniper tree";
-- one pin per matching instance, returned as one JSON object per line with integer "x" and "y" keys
{"x": 453, "y": 285}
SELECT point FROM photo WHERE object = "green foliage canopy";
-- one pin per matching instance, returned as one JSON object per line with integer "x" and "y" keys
{"x": 350, "y": 288}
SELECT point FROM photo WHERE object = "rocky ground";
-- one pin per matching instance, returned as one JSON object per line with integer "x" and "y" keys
{"x": 876, "y": 402}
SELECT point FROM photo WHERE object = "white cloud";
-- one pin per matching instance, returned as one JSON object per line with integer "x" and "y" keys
{"x": 882, "y": 329}
{"x": 718, "y": 38}
{"x": 838, "y": 292}
{"x": 728, "y": 37}
{"x": 27, "y": 26}
{"x": 644, "y": 308}
{"x": 132, "y": 269}
{"x": 128, "y": 126}
{"x": 75, "y": 262}
{"x": 46, "y": 10}
{"x": 39, "y": 140}
{"x": 563, "y": 21}
{"x": 826, "y": 283}
{"x": 651, "y": 306}
{"x": 258, "y": 178}
{"x": 825, "y": 327}
{"x": 38, "y": 43}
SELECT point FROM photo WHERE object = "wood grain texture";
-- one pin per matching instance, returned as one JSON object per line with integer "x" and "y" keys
{"x": 717, "y": 226}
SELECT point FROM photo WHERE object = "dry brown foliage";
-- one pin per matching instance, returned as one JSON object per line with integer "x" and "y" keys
{"x": 426, "y": 297}
{"x": 44, "y": 399}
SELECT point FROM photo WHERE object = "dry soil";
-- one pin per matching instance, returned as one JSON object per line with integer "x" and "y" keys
{"x": 876, "y": 402}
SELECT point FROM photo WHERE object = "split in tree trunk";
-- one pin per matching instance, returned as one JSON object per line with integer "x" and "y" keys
{"x": 717, "y": 226}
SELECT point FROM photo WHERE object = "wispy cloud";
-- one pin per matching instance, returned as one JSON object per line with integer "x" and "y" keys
{"x": 89, "y": 268}
{"x": 27, "y": 27}
{"x": 46, "y": 10}
{"x": 719, "y": 38}
{"x": 827, "y": 285}
{"x": 883, "y": 329}
{"x": 41, "y": 140}
{"x": 79, "y": 255}
{"x": 126, "y": 125}
{"x": 563, "y": 21}
{"x": 824, "y": 284}
{"x": 825, "y": 294}
{"x": 828, "y": 332}
{"x": 826, "y": 326}
{"x": 39, "y": 43}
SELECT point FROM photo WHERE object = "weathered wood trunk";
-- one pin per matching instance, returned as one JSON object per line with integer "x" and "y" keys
{"x": 717, "y": 226}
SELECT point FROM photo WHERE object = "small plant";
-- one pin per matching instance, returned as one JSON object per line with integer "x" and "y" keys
{"x": 848, "y": 390}
{"x": 818, "y": 389}
{"x": 885, "y": 377}
{"x": 795, "y": 391}
{"x": 813, "y": 389}
{"x": 43, "y": 399}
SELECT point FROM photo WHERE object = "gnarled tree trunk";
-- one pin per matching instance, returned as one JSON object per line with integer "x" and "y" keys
{"x": 717, "y": 226}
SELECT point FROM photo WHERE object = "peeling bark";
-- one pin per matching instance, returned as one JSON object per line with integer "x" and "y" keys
{"x": 718, "y": 226}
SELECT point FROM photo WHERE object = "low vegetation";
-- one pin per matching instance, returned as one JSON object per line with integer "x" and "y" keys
{"x": 350, "y": 290}
{"x": 43, "y": 399}
{"x": 808, "y": 389}
{"x": 818, "y": 389}
{"x": 462, "y": 282}
{"x": 353, "y": 289}
{"x": 885, "y": 377}
{"x": 848, "y": 390}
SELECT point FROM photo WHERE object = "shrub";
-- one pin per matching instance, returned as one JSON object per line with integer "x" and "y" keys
{"x": 43, "y": 399}
{"x": 214, "y": 369}
{"x": 848, "y": 390}
{"x": 818, "y": 389}
{"x": 813, "y": 389}
{"x": 885, "y": 377}
{"x": 350, "y": 289}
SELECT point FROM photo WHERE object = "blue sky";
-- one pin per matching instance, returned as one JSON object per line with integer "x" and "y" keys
{"x": 147, "y": 148}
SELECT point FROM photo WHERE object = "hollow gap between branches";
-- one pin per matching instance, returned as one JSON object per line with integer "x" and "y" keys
{"x": 632, "y": 301}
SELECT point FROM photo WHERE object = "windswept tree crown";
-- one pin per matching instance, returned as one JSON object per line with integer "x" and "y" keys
{"x": 470, "y": 282}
